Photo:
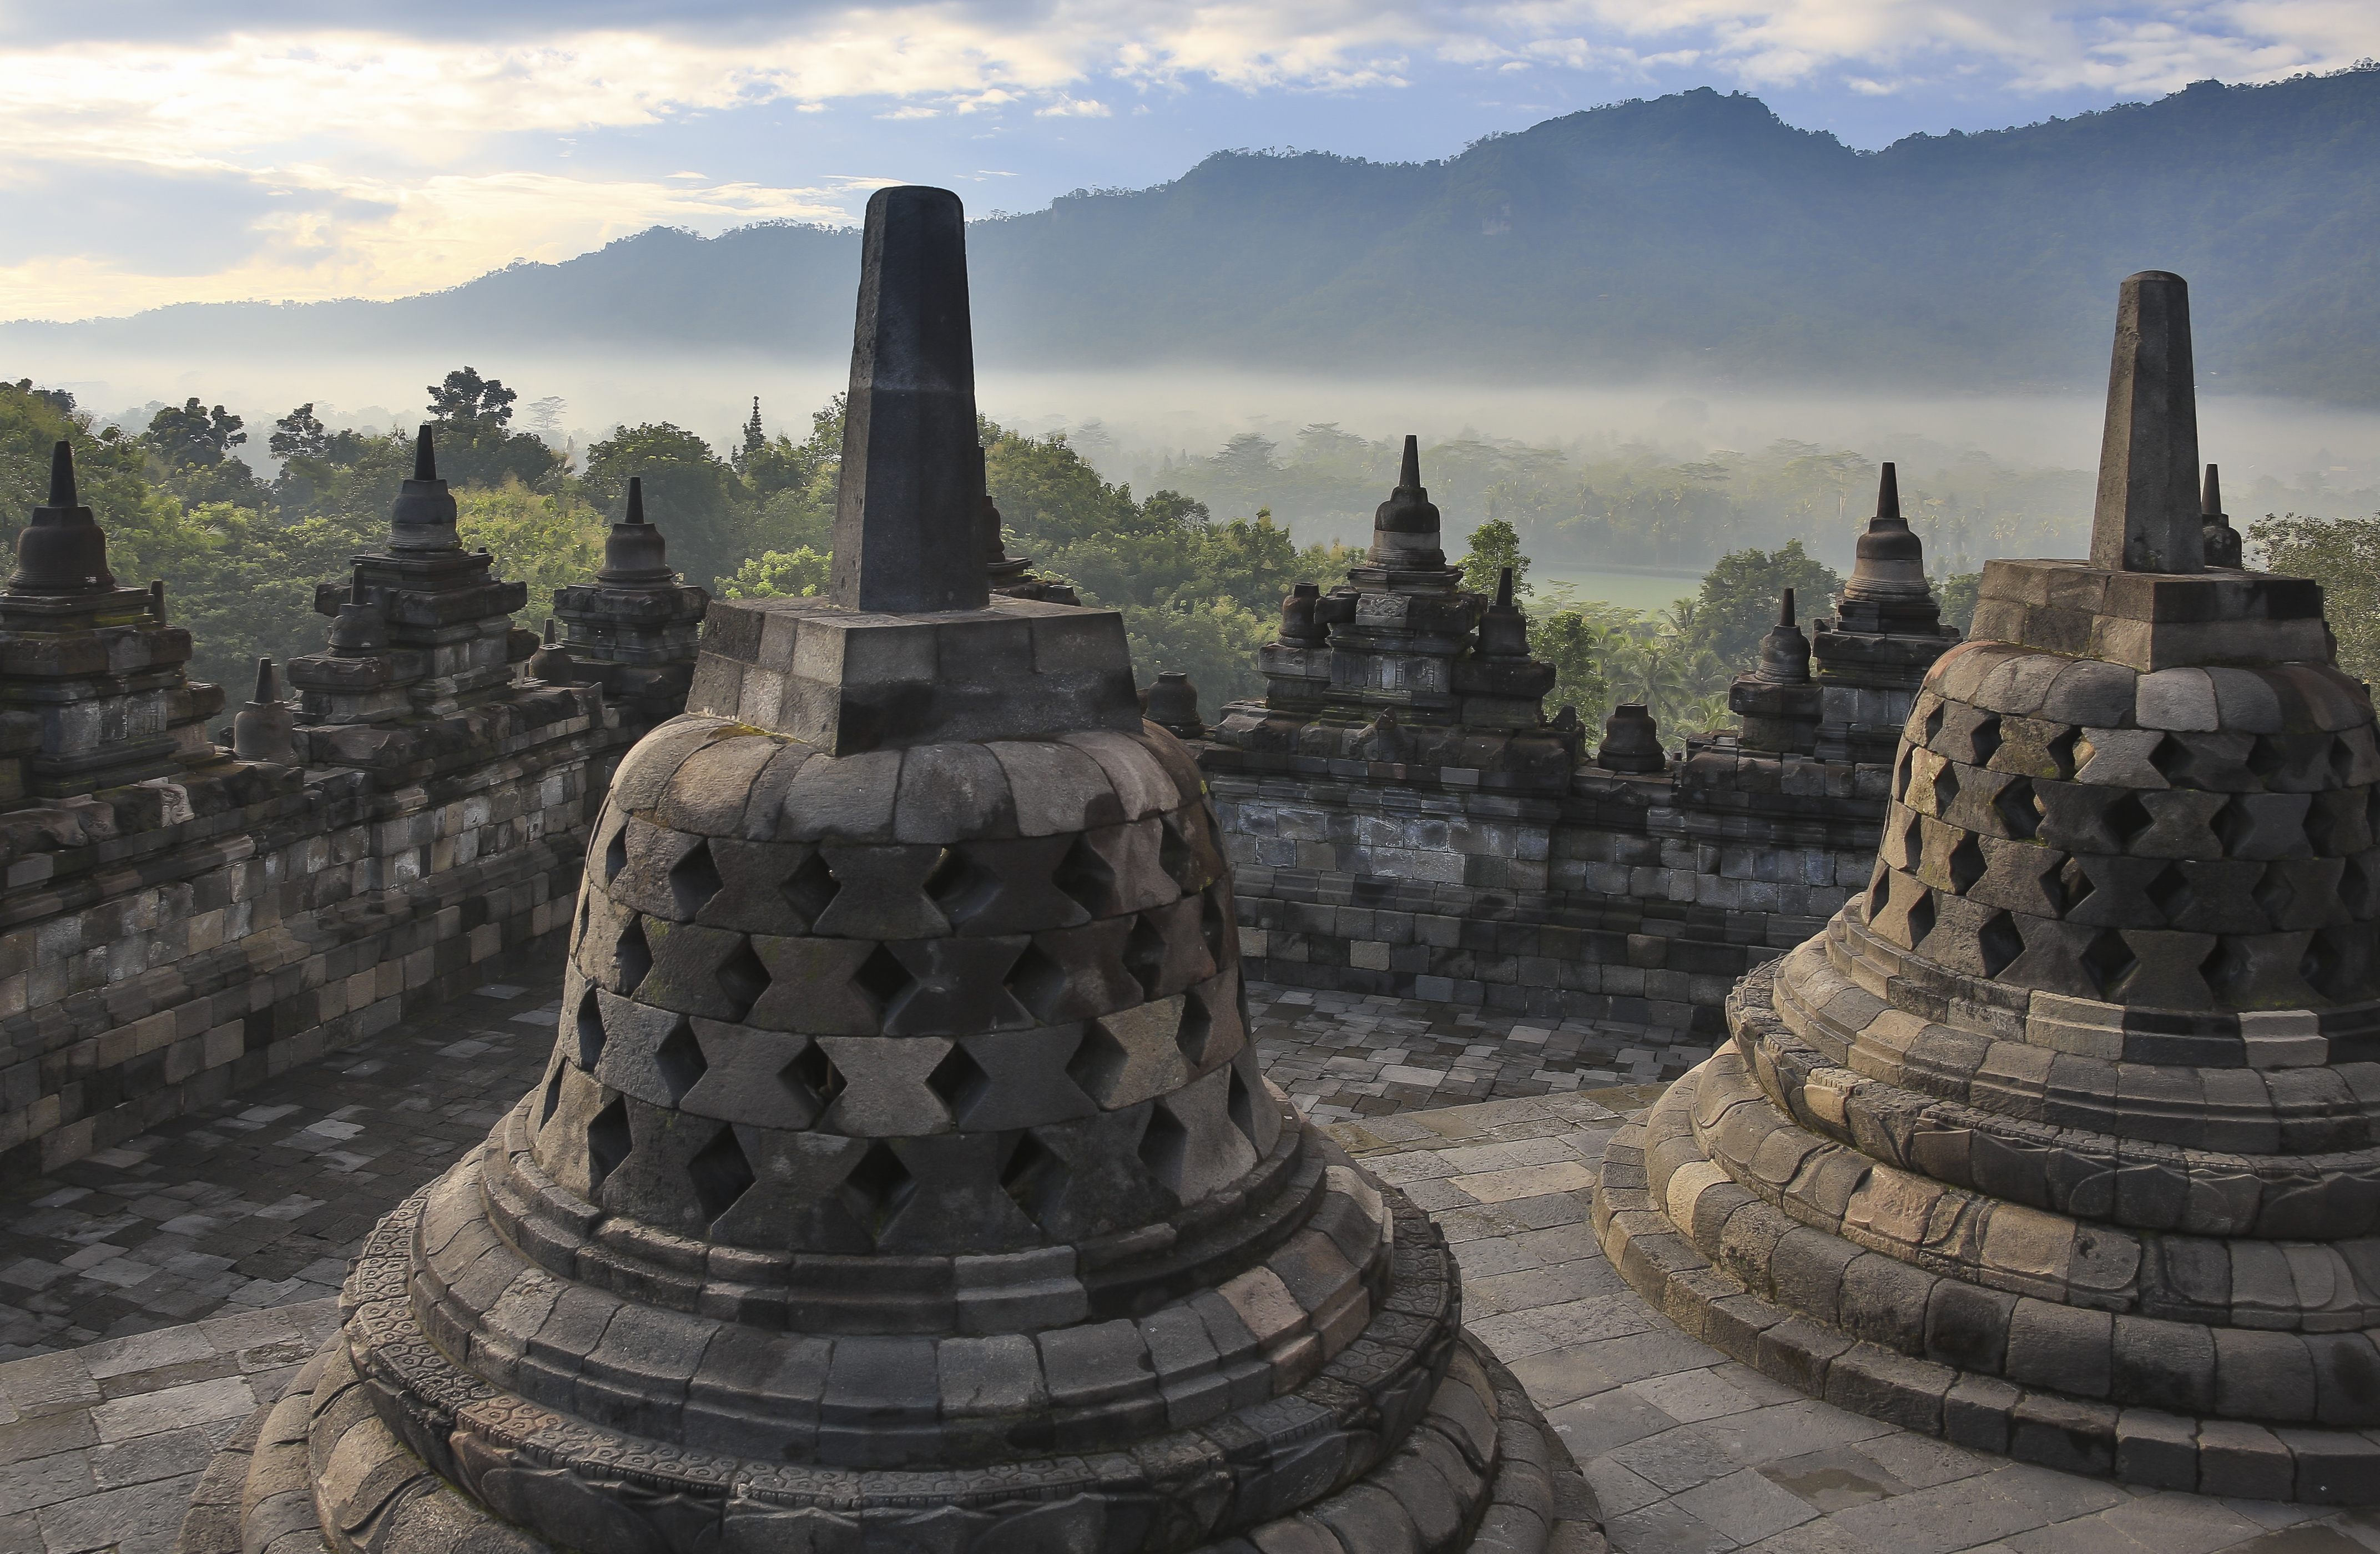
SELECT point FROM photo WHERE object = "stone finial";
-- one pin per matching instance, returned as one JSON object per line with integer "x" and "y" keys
{"x": 422, "y": 518}
{"x": 358, "y": 630}
{"x": 1405, "y": 528}
{"x": 552, "y": 661}
{"x": 2145, "y": 520}
{"x": 63, "y": 549}
{"x": 1173, "y": 705}
{"x": 1299, "y": 628}
{"x": 1785, "y": 651}
{"x": 2220, "y": 541}
{"x": 260, "y": 730}
{"x": 908, "y": 513}
{"x": 635, "y": 553}
{"x": 1503, "y": 630}
{"x": 1890, "y": 559}
{"x": 1631, "y": 741}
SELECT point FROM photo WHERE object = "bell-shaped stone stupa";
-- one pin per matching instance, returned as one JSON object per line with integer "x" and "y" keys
{"x": 2063, "y": 1140}
{"x": 903, "y": 1177}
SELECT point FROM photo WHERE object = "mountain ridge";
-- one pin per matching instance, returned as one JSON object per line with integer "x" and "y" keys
{"x": 1695, "y": 238}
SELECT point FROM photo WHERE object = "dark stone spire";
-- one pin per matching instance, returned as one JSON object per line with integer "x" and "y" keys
{"x": 1785, "y": 651}
{"x": 261, "y": 730}
{"x": 423, "y": 515}
{"x": 63, "y": 549}
{"x": 1503, "y": 630}
{"x": 2146, "y": 519}
{"x": 635, "y": 551}
{"x": 1405, "y": 529}
{"x": 2219, "y": 540}
{"x": 358, "y": 630}
{"x": 1887, "y": 593}
{"x": 907, "y": 535}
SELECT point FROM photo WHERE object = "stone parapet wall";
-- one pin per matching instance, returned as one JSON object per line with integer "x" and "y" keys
{"x": 169, "y": 944}
{"x": 1624, "y": 898}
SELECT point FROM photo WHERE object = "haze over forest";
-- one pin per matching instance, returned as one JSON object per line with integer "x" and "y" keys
{"x": 1645, "y": 336}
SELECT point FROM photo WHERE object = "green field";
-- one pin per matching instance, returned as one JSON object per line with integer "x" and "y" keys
{"x": 1630, "y": 591}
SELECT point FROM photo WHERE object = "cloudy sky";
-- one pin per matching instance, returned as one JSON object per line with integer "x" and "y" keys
{"x": 164, "y": 152}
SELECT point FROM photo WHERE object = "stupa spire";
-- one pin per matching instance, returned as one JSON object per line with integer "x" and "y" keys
{"x": 906, "y": 534}
{"x": 2146, "y": 519}
{"x": 1405, "y": 526}
{"x": 422, "y": 518}
{"x": 62, "y": 549}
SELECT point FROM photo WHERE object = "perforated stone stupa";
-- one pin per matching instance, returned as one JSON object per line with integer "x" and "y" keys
{"x": 903, "y": 1177}
{"x": 2059, "y": 1141}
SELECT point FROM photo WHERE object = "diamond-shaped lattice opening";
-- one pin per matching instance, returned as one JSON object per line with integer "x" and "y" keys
{"x": 1144, "y": 954}
{"x": 2107, "y": 962}
{"x": 1036, "y": 980}
{"x": 1921, "y": 918}
{"x": 810, "y": 889}
{"x": 2355, "y": 890}
{"x": 2234, "y": 825}
{"x": 2171, "y": 756}
{"x": 608, "y": 1143}
{"x": 1934, "y": 722}
{"x": 2328, "y": 966}
{"x": 2342, "y": 762}
{"x": 719, "y": 1173}
{"x": 2062, "y": 752}
{"x": 1241, "y": 1107}
{"x": 959, "y": 886}
{"x": 1032, "y": 1175}
{"x": 1174, "y": 854}
{"x": 589, "y": 1030}
{"x": 2019, "y": 808}
{"x": 636, "y": 956}
{"x": 679, "y": 1060}
{"x": 743, "y": 977}
{"x": 1216, "y": 928}
{"x": 1164, "y": 1146}
{"x": 1086, "y": 877}
{"x": 2170, "y": 893}
{"x": 1879, "y": 890}
{"x": 2126, "y": 819}
{"x": 552, "y": 1098}
{"x": 1985, "y": 740}
{"x": 1998, "y": 942}
{"x": 694, "y": 880}
{"x": 1946, "y": 788}
{"x": 958, "y": 1081}
{"x": 1196, "y": 1029}
{"x": 2074, "y": 886}
{"x": 2226, "y": 969}
{"x": 2265, "y": 757}
{"x": 2275, "y": 893}
{"x": 883, "y": 977}
{"x": 813, "y": 1076}
{"x": 877, "y": 1188}
{"x": 1098, "y": 1062}
{"x": 1967, "y": 863}
{"x": 615, "y": 854}
{"x": 1900, "y": 773}
{"x": 2329, "y": 829}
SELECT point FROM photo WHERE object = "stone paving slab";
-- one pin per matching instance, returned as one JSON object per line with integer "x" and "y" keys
{"x": 101, "y": 1446}
{"x": 261, "y": 1201}
{"x": 1690, "y": 1452}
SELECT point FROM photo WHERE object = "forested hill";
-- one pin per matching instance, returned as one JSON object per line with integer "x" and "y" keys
{"x": 1694, "y": 236}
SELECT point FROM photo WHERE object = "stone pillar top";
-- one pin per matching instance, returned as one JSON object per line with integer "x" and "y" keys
{"x": 635, "y": 553}
{"x": 423, "y": 518}
{"x": 1405, "y": 528}
{"x": 1890, "y": 559}
{"x": 2146, "y": 519}
{"x": 62, "y": 551}
{"x": 907, "y": 513}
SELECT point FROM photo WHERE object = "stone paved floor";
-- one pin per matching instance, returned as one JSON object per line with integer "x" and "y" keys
{"x": 261, "y": 1201}
{"x": 1344, "y": 1055}
{"x": 1690, "y": 1452}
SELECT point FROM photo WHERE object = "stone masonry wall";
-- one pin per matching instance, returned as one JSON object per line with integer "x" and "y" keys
{"x": 1637, "y": 899}
{"x": 169, "y": 944}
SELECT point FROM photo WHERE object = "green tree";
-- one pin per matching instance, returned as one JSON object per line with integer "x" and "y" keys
{"x": 800, "y": 573}
{"x": 1738, "y": 601}
{"x": 1576, "y": 645}
{"x": 2343, "y": 556}
{"x": 690, "y": 492}
{"x": 467, "y": 396}
{"x": 1495, "y": 546}
{"x": 1958, "y": 594}
{"x": 544, "y": 539}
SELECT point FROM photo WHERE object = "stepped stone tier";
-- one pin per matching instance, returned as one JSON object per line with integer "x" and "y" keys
{"x": 2061, "y": 1139}
{"x": 1888, "y": 630}
{"x": 1403, "y": 667}
{"x": 903, "y": 1177}
{"x": 634, "y": 630}
{"x": 93, "y": 689}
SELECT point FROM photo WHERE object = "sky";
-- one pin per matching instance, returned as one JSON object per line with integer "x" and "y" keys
{"x": 165, "y": 152}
